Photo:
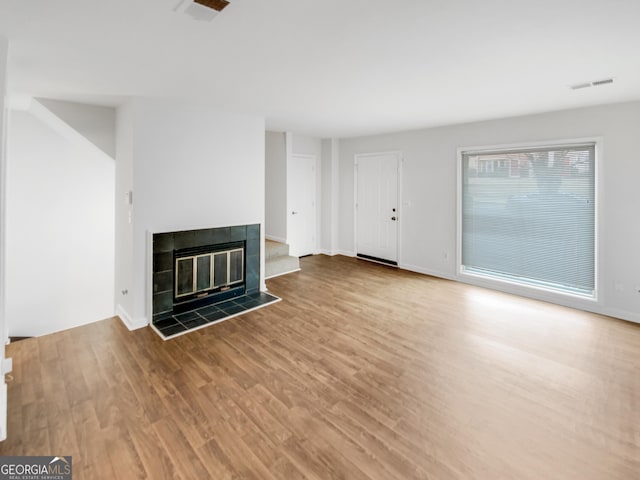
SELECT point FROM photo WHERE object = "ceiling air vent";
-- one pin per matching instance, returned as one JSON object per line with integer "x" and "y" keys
{"x": 580, "y": 85}
{"x": 595, "y": 83}
{"x": 602, "y": 82}
{"x": 217, "y": 5}
{"x": 202, "y": 10}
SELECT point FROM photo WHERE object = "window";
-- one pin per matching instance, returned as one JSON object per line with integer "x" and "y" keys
{"x": 528, "y": 216}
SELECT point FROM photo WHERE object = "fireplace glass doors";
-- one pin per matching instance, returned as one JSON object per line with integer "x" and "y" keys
{"x": 199, "y": 274}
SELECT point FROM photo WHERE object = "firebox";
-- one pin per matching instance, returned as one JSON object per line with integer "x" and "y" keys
{"x": 208, "y": 274}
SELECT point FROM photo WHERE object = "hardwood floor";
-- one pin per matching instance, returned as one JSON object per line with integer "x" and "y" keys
{"x": 361, "y": 372}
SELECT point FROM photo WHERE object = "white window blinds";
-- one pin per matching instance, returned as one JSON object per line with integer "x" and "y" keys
{"x": 528, "y": 216}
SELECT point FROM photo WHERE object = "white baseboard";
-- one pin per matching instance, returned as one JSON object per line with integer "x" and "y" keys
{"x": 128, "y": 321}
{"x": 346, "y": 253}
{"x": 622, "y": 314}
{"x": 426, "y": 271}
{"x": 282, "y": 273}
{"x": 523, "y": 292}
{"x": 330, "y": 253}
{"x": 275, "y": 239}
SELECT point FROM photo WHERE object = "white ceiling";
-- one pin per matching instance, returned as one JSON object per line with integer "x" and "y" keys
{"x": 332, "y": 67}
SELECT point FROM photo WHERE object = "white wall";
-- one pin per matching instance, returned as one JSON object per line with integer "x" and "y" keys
{"x": 4, "y": 51}
{"x": 193, "y": 168}
{"x": 123, "y": 284}
{"x": 330, "y": 165}
{"x": 428, "y": 215}
{"x": 276, "y": 187}
{"x": 96, "y": 123}
{"x": 60, "y": 229}
{"x": 304, "y": 145}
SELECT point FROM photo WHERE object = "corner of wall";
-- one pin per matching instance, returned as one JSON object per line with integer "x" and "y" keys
{"x": 4, "y": 53}
{"x": 274, "y": 238}
{"x": 123, "y": 279}
{"x": 129, "y": 322}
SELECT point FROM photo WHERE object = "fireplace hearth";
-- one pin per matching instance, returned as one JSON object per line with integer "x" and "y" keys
{"x": 205, "y": 276}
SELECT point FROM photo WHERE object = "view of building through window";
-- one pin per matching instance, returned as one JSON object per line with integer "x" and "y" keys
{"x": 529, "y": 216}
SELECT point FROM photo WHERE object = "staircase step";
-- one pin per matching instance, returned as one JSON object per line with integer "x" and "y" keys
{"x": 275, "y": 249}
{"x": 281, "y": 265}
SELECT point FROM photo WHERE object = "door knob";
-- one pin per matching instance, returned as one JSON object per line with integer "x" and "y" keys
{"x": 294, "y": 213}
{"x": 393, "y": 218}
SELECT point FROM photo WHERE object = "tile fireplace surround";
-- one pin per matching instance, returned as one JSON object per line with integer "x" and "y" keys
{"x": 171, "y": 319}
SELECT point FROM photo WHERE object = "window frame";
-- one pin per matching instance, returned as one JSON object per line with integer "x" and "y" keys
{"x": 511, "y": 285}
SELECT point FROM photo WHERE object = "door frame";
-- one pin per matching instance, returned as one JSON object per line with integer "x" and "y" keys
{"x": 316, "y": 204}
{"x": 400, "y": 159}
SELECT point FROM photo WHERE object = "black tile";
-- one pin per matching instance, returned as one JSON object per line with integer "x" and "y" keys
{"x": 238, "y": 233}
{"x": 253, "y": 285}
{"x": 169, "y": 326}
{"x": 231, "y": 309}
{"x": 253, "y": 274}
{"x": 253, "y": 247}
{"x": 161, "y": 316}
{"x": 204, "y": 237}
{"x": 250, "y": 303}
{"x": 253, "y": 262}
{"x": 187, "y": 317}
{"x": 259, "y": 302}
{"x": 163, "y": 281}
{"x": 162, "y": 242}
{"x": 195, "y": 322}
{"x": 212, "y": 316}
{"x": 253, "y": 232}
{"x": 224, "y": 304}
{"x": 162, "y": 302}
{"x": 162, "y": 261}
{"x": 267, "y": 302}
{"x": 221, "y": 235}
{"x": 164, "y": 323}
{"x": 206, "y": 310}
{"x": 183, "y": 239}
{"x": 209, "y": 236}
{"x": 172, "y": 330}
{"x": 262, "y": 297}
{"x": 242, "y": 300}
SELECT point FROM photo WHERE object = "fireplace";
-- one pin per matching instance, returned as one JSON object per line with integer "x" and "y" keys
{"x": 206, "y": 276}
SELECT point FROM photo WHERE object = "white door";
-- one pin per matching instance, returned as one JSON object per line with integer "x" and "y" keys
{"x": 377, "y": 207}
{"x": 301, "y": 201}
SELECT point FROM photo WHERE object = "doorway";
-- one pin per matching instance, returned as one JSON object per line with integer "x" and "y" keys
{"x": 377, "y": 206}
{"x": 301, "y": 205}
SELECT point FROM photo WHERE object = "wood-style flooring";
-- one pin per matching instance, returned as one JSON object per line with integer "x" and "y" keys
{"x": 361, "y": 372}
